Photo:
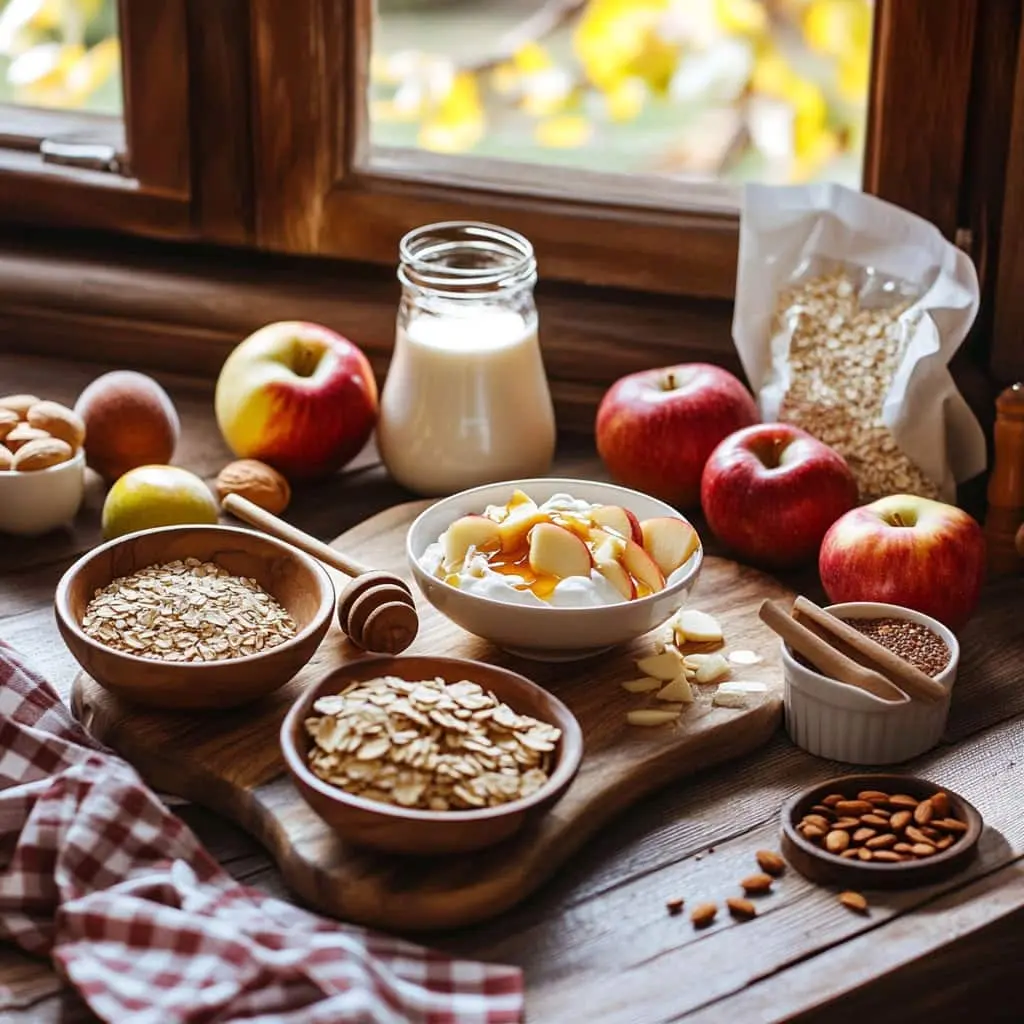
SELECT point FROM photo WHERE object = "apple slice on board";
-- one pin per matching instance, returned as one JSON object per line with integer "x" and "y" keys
{"x": 555, "y": 551}
{"x": 619, "y": 519}
{"x": 467, "y": 532}
{"x": 669, "y": 541}
{"x": 642, "y": 567}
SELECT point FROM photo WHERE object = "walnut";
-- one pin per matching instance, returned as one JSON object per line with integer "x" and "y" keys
{"x": 260, "y": 483}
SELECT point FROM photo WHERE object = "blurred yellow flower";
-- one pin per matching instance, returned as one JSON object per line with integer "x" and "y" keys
{"x": 38, "y": 76}
{"x": 92, "y": 70}
{"x": 457, "y": 123}
{"x": 837, "y": 27}
{"x": 617, "y": 38}
{"x": 568, "y": 131}
{"x": 747, "y": 17}
{"x": 530, "y": 58}
{"x": 625, "y": 99}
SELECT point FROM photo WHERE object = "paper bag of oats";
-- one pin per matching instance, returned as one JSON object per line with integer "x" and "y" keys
{"x": 848, "y": 311}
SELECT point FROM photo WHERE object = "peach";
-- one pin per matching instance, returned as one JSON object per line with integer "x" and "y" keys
{"x": 129, "y": 421}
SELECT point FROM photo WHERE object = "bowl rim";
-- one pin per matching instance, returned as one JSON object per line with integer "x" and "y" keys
{"x": 570, "y": 755}
{"x": 324, "y": 610}
{"x": 880, "y": 609}
{"x": 77, "y": 459}
{"x": 867, "y": 780}
{"x": 696, "y": 560}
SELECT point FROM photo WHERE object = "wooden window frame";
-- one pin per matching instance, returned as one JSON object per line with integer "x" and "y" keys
{"x": 150, "y": 188}
{"x": 314, "y": 197}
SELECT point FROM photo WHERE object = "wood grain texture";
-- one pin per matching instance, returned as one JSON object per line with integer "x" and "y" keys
{"x": 915, "y": 137}
{"x": 233, "y": 764}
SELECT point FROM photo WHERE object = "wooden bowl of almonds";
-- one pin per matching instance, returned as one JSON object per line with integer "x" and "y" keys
{"x": 422, "y": 755}
{"x": 879, "y": 831}
{"x": 42, "y": 465}
{"x": 190, "y": 617}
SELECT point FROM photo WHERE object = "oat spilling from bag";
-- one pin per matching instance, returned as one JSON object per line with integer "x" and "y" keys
{"x": 186, "y": 611}
{"x": 842, "y": 360}
{"x": 431, "y": 745}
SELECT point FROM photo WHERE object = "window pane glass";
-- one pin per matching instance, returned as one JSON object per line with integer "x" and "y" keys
{"x": 60, "y": 53}
{"x": 702, "y": 90}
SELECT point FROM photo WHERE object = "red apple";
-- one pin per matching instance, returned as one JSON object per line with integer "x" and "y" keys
{"x": 297, "y": 396}
{"x": 906, "y": 550}
{"x": 771, "y": 491}
{"x": 656, "y": 429}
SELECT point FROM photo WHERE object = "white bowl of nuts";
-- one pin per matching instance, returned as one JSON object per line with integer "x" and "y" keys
{"x": 830, "y": 719}
{"x": 554, "y": 569}
{"x": 424, "y": 755}
{"x": 189, "y": 617}
{"x": 42, "y": 465}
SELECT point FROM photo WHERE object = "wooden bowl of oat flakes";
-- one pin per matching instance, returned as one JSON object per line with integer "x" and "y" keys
{"x": 190, "y": 617}
{"x": 423, "y": 755}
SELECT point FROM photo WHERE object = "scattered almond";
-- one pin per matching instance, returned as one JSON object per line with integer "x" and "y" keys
{"x": 8, "y": 421}
{"x": 715, "y": 668}
{"x": 19, "y": 404}
{"x": 58, "y": 421}
{"x": 903, "y": 801}
{"x": 837, "y": 841}
{"x": 703, "y": 914}
{"x": 900, "y": 820}
{"x": 6, "y": 458}
{"x": 677, "y": 690}
{"x": 755, "y": 885}
{"x": 22, "y": 434}
{"x": 854, "y": 901}
{"x": 740, "y": 908}
{"x": 923, "y": 812}
{"x": 674, "y": 907}
{"x": 770, "y": 863}
{"x": 696, "y": 626}
{"x": 41, "y": 454}
{"x": 912, "y": 830}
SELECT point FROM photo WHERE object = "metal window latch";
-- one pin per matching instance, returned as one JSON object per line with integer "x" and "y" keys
{"x": 81, "y": 151}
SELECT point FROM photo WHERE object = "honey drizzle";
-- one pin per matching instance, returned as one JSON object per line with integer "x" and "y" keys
{"x": 516, "y": 562}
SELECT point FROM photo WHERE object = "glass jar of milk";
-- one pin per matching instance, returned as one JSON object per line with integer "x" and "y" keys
{"x": 466, "y": 401}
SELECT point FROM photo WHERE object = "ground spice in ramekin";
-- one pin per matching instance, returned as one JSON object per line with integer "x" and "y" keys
{"x": 913, "y": 642}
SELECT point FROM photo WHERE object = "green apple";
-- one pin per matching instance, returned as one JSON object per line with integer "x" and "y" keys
{"x": 151, "y": 496}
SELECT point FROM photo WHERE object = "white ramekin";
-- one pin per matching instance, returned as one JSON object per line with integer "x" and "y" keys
{"x": 40, "y": 501}
{"x": 840, "y": 722}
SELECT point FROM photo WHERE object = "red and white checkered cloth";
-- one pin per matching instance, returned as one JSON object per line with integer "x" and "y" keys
{"x": 96, "y": 873}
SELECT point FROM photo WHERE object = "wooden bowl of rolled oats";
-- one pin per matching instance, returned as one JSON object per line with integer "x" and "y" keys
{"x": 190, "y": 617}
{"x": 423, "y": 755}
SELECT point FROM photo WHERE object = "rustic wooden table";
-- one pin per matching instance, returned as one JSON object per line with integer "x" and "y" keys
{"x": 596, "y": 943}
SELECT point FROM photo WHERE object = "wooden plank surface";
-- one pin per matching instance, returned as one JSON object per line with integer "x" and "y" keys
{"x": 604, "y": 916}
{"x": 232, "y": 762}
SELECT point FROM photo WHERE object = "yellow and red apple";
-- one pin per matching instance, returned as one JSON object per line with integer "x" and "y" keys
{"x": 771, "y": 491}
{"x": 655, "y": 429}
{"x": 297, "y": 396}
{"x": 906, "y": 550}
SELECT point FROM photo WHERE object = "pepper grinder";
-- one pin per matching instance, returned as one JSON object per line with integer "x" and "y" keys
{"x": 1005, "y": 517}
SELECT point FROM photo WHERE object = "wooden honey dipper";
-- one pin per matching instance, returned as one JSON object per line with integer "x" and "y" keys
{"x": 376, "y": 609}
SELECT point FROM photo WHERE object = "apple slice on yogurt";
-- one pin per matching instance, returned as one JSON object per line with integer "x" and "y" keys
{"x": 669, "y": 541}
{"x": 555, "y": 551}
{"x": 617, "y": 576}
{"x": 619, "y": 519}
{"x": 642, "y": 567}
{"x": 523, "y": 516}
{"x": 471, "y": 531}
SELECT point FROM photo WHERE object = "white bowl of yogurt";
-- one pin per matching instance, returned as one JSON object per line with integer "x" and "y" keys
{"x": 507, "y": 573}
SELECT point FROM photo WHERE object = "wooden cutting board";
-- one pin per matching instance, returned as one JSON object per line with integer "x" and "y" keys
{"x": 230, "y": 761}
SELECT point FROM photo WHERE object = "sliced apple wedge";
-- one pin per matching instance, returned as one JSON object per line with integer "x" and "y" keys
{"x": 613, "y": 572}
{"x": 619, "y": 519}
{"x": 521, "y": 519}
{"x": 665, "y": 666}
{"x": 467, "y": 532}
{"x": 642, "y": 567}
{"x": 555, "y": 551}
{"x": 669, "y": 541}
